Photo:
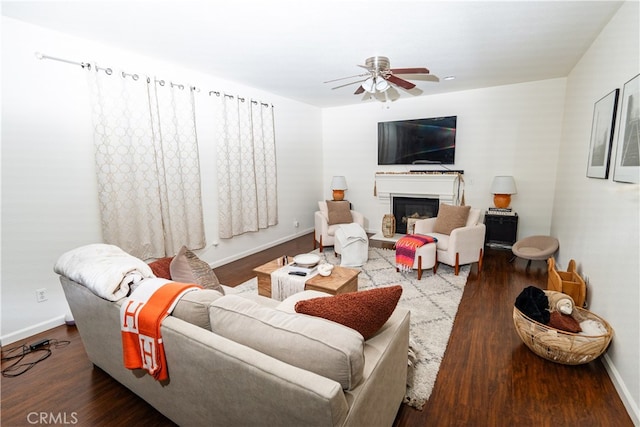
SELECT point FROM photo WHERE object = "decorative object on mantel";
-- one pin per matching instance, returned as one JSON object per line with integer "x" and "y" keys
{"x": 627, "y": 167}
{"x": 338, "y": 185}
{"x": 448, "y": 186}
{"x": 388, "y": 225}
{"x": 425, "y": 172}
{"x": 502, "y": 188}
{"x": 604, "y": 119}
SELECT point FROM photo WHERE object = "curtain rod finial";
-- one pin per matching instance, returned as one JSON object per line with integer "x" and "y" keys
{"x": 39, "y": 55}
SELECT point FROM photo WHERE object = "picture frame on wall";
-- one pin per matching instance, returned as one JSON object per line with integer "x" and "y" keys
{"x": 602, "y": 127}
{"x": 627, "y": 163}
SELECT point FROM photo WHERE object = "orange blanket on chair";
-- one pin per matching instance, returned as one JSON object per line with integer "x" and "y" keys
{"x": 140, "y": 318}
{"x": 406, "y": 249}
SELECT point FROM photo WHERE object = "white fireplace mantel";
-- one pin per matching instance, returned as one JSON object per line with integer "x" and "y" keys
{"x": 443, "y": 186}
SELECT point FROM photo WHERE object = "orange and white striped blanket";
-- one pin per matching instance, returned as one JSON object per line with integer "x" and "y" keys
{"x": 140, "y": 317}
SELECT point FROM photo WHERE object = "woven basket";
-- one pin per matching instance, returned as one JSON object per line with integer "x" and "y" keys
{"x": 560, "y": 346}
{"x": 388, "y": 225}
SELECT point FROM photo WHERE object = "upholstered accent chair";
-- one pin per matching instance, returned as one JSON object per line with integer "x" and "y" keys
{"x": 329, "y": 217}
{"x": 535, "y": 248}
{"x": 460, "y": 235}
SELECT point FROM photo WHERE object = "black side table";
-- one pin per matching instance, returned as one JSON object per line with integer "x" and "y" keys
{"x": 501, "y": 230}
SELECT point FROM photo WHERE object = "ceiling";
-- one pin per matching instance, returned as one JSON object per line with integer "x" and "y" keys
{"x": 290, "y": 48}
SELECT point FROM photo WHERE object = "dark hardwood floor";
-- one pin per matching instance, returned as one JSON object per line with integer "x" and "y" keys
{"x": 487, "y": 377}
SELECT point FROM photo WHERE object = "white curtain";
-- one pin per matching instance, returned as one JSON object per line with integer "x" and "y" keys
{"x": 246, "y": 161}
{"x": 147, "y": 164}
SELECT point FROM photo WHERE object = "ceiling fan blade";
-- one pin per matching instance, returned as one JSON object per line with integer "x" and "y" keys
{"x": 347, "y": 84}
{"x": 424, "y": 78}
{"x": 344, "y": 78}
{"x": 359, "y": 91}
{"x": 420, "y": 70}
{"x": 400, "y": 82}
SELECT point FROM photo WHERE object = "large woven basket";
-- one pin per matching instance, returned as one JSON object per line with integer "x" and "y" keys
{"x": 560, "y": 346}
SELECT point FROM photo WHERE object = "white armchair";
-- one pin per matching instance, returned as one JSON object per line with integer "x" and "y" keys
{"x": 324, "y": 234}
{"x": 463, "y": 246}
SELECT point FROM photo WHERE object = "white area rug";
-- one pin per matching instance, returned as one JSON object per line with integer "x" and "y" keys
{"x": 433, "y": 302}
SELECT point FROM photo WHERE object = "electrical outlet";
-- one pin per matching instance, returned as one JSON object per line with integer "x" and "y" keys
{"x": 296, "y": 224}
{"x": 41, "y": 295}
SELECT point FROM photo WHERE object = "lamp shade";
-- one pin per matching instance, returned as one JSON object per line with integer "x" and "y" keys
{"x": 338, "y": 183}
{"x": 503, "y": 185}
{"x": 502, "y": 188}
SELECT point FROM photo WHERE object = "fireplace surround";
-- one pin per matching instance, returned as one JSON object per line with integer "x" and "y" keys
{"x": 417, "y": 193}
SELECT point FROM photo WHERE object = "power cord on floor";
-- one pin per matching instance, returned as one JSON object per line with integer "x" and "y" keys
{"x": 18, "y": 354}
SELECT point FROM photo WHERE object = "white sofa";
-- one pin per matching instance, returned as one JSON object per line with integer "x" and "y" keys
{"x": 216, "y": 380}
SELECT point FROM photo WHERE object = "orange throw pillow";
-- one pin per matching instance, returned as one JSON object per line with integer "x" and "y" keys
{"x": 160, "y": 267}
{"x": 365, "y": 311}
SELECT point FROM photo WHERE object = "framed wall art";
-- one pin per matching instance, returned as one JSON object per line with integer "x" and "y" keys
{"x": 627, "y": 164}
{"x": 602, "y": 126}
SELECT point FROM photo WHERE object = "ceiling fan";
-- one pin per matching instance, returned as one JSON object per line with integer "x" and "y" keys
{"x": 379, "y": 75}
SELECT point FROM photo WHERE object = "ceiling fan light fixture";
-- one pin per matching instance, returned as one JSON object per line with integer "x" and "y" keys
{"x": 369, "y": 85}
{"x": 375, "y": 84}
{"x": 380, "y": 77}
{"x": 382, "y": 85}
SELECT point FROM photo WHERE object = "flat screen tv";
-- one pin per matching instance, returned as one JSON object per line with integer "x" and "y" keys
{"x": 419, "y": 141}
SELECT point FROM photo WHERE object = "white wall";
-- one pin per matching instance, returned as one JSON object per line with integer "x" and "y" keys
{"x": 597, "y": 220}
{"x": 49, "y": 202}
{"x": 507, "y": 130}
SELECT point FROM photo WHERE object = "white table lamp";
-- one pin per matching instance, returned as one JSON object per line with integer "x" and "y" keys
{"x": 502, "y": 188}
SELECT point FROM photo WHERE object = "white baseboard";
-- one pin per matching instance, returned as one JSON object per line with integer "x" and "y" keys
{"x": 31, "y": 330}
{"x": 623, "y": 392}
{"x": 257, "y": 249}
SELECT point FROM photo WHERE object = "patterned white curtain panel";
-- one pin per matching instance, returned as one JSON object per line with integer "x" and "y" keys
{"x": 246, "y": 163}
{"x": 147, "y": 164}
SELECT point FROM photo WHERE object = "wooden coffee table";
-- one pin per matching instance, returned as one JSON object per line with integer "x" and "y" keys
{"x": 341, "y": 280}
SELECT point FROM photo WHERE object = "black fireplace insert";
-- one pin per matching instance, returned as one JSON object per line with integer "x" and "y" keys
{"x": 407, "y": 208}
